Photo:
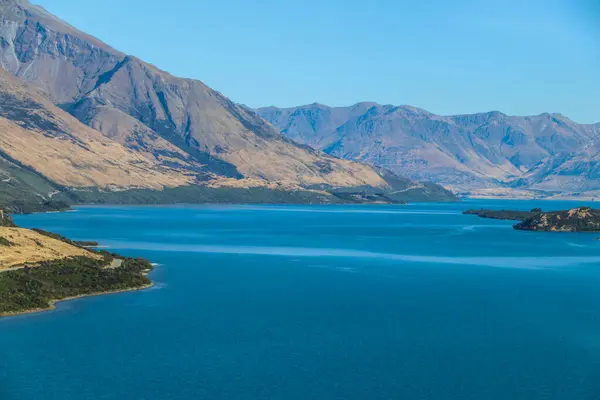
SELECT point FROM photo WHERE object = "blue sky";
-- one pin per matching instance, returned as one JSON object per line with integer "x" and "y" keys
{"x": 449, "y": 57}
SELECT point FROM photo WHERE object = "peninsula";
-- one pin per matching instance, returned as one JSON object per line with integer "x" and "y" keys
{"x": 512, "y": 215}
{"x": 38, "y": 269}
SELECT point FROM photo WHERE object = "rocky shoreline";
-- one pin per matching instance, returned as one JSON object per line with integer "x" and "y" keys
{"x": 581, "y": 219}
{"x": 53, "y": 303}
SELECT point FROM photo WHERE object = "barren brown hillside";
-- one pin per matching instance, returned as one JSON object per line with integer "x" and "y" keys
{"x": 40, "y": 135}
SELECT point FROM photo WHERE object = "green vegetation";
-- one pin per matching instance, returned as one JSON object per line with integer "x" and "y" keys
{"x": 24, "y": 200}
{"x": 64, "y": 239}
{"x": 6, "y": 220}
{"x": 86, "y": 243}
{"x": 24, "y": 190}
{"x": 34, "y": 288}
{"x": 365, "y": 197}
{"x": 198, "y": 194}
{"x": 37, "y": 287}
{"x": 54, "y": 236}
{"x": 513, "y": 215}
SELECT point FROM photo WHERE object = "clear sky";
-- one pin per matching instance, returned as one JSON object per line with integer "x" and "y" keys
{"x": 516, "y": 56}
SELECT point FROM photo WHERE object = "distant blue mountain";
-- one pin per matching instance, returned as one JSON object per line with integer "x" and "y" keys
{"x": 487, "y": 154}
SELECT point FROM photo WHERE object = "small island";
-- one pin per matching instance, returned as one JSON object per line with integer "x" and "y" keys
{"x": 581, "y": 219}
{"x": 39, "y": 268}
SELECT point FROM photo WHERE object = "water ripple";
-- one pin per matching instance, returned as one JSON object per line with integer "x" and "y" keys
{"x": 500, "y": 262}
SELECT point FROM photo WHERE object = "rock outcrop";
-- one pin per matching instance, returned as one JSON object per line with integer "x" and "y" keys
{"x": 582, "y": 219}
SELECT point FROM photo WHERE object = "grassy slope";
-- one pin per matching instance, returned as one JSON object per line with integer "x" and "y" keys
{"x": 27, "y": 246}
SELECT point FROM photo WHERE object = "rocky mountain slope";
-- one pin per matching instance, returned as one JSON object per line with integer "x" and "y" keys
{"x": 45, "y": 152}
{"x": 144, "y": 128}
{"x": 69, "y": 153}
{"x": 489, "y": 153}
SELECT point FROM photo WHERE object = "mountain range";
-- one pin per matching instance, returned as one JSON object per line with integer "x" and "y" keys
{"x": 81, "y": 121}
{"x": 486, "y": 154}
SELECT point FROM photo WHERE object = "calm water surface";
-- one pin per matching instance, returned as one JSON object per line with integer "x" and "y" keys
{"x": 319, "y": 302}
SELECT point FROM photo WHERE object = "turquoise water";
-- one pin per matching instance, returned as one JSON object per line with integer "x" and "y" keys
{"x": 319, "y": 302}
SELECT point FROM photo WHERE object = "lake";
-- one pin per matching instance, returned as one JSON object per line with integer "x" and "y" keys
{"x": 319, "y": 302}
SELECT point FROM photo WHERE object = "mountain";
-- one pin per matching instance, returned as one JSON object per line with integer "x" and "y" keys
{"x": 44, "y": 150}
{"x": 158, "y": 131}
{"x": 161, "y": 131}
{"x": 67, "y": 152}
{"x": 487, "y": 153}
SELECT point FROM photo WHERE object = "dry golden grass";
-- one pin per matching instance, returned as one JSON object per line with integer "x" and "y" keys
{"x": 279, "y": 161}
{"x": 29, "y": 247}
{"x": 248, "y": 183}
{"x": 76, "y": 155}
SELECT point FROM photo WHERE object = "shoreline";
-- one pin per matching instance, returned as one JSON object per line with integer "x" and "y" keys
{"x": 53, "y": 303}
{"x": 141, "y": 266}
{"x": 92, "y": 205}
{"x": 460, "y": 199}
